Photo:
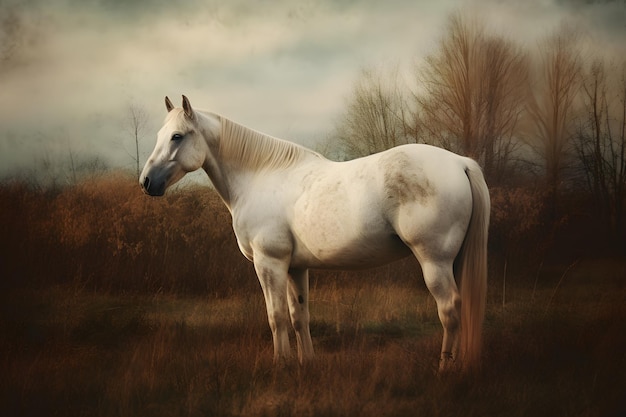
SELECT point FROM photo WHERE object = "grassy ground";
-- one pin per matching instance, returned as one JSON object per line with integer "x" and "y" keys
{"x": 554, "y": 348}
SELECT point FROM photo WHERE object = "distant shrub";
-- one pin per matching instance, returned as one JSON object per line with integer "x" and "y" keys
{"x": 105, "y": 233}
{"x": 521, "y": 226}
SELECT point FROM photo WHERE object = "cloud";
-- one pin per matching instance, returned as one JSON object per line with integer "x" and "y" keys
{"x": 69, "y": 68}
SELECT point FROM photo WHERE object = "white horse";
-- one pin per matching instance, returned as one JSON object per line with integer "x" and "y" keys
{"x": 292, "y": 210}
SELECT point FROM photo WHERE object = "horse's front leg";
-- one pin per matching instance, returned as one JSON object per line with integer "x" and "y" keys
{"x": 298, "y": 297}
{"x": 273, "y": 277}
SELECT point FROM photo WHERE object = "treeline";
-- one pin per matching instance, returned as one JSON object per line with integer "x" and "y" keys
{"x": 104, "y": 234}
{"x": 551, "y": 117}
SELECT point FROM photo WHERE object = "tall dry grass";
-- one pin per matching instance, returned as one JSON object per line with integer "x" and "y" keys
{"x": 84, "y": 353}
{"x": 105, "y": 234}
{"x": 113, "y": 303}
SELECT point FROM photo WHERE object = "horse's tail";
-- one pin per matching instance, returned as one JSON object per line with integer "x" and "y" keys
{"x": 472, "y": 262}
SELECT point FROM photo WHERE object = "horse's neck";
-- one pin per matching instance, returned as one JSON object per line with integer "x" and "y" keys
{"x": 210, "y": 125}
{"x": 226, "y": 173}
{"x": 219, "y": 179}
{"x": 241, "y": 153}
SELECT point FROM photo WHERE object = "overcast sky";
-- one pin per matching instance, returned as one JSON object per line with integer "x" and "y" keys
{"x": 69, "y": 69}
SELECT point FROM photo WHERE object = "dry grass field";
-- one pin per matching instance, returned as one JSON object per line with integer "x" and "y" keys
{"x": 117, "y": 305}
{"x": 548, "y": 351}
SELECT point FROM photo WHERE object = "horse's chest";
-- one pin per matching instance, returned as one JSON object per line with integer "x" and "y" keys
{"x": 262, "y": 229}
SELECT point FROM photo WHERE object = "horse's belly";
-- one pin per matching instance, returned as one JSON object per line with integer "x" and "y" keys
{"x": 351, "y": 251}
{"x": 339, "y": 221}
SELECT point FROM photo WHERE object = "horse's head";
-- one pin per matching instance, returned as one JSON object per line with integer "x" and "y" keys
{"x": 180, "y": 148}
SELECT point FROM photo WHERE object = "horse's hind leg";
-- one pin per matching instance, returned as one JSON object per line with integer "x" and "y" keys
{"x": 439, "y": 279}
{"x": 298, "y": 297}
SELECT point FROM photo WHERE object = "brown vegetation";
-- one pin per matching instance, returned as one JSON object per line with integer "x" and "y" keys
{"x": 114, "y": 303}
{"x": 105, "y": 234}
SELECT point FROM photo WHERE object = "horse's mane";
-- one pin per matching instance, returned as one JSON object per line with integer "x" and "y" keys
{"x": 254, "y": 150}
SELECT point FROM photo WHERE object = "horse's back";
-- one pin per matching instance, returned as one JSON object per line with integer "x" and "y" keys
{"x": 370, "y": 208}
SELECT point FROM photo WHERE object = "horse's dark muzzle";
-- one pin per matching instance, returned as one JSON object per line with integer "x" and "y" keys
{"x": 150, "y": 189}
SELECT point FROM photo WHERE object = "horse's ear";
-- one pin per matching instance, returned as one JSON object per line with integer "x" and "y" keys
{"x": 168, "y": 104}
{"x": 187, "y": 107}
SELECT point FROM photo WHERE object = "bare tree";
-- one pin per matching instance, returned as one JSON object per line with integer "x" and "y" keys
{"x": 137, "y": 120}
{"x": 502, "y": 97}
{"x": 591, "y": 135}
{"x": 551, "y": 105}
{"x": 448, "y": 105}
{"x": 473, "y": 94}
{"x": 376, "y": 116}
{"x": 72, "y": 177}
{"x": 601, "y": 141}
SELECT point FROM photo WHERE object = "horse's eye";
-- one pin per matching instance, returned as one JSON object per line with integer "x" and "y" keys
{"x": 176, "y": 137}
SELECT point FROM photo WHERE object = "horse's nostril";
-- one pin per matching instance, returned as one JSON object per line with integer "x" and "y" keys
{"x": 146, "y": 183}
